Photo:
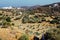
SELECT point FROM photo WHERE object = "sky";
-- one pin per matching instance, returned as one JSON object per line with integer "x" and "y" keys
{"x": 18, "y": 3}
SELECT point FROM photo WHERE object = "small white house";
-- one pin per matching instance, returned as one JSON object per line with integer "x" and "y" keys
{"x": 55, "y": 5}
{"x": 10, "y": 7}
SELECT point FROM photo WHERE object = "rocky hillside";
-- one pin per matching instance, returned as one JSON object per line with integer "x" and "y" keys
{"x": 52, "y": 9}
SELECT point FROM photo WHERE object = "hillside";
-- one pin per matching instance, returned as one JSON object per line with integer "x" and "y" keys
{"x": 30, "y": 23}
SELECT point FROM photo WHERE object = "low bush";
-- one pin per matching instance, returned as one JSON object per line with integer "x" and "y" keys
{"x": 8, "y": 19}
{"x": 24, "y": 37}
{"x": 52, "y": 34}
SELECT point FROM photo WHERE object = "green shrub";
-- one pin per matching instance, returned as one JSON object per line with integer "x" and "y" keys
{"x": 8, "y": 19}
{"x": 1, "y": 18}
{"x": 58, "y": 26}
{"x": 52, "y": 34}
{"x": 37, "y": 33}
{"x": 0, "y": 23}
{"x": 17, "y": 18}
{"x": 0, "y": 14}
{"x": 25, "y": 19}
{"x": 5, "y": 24}
{"x": 24, "y": 37}
{"x": 54, "y": 21}
{"x": 13, "y": 24}
{"x": 43, "y": 19}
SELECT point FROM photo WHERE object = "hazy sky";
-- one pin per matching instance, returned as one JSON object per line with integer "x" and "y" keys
{"x": 16, "y": 3}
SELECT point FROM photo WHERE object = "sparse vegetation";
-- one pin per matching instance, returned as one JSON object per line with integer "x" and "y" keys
{"x": 13, "y": 24}
{"x": 5, "y": 24}
{"x": 34, "y": 22}
{"x": 58, "y": 26}
{"x": 37, "y": 33}
{"x": 24, "y": 37}
{"x": 54, "y": 21}
{"x": 8, "y": 19}
{"x": 52, "y": 34}
{"x": 25, "y": 19}
{"x": 0, "y": 24}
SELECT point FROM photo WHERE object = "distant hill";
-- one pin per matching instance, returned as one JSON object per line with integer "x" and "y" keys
{"x": 53, "y": 9}
{"x": 47, "y": 5}
{"x": 51, "y": 4}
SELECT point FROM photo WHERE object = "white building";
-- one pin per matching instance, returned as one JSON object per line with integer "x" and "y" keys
{"x": 10, "y": 7}
{"x": 55, "y": 5}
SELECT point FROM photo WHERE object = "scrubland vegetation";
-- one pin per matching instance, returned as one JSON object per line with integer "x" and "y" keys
{"x": 29, "y": 25}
